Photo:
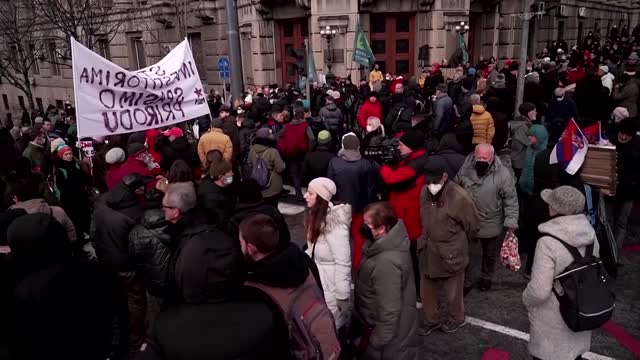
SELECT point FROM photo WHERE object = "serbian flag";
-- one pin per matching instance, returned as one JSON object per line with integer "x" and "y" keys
{"x": 571, "y": 149}
{"x": 595, "y": 135}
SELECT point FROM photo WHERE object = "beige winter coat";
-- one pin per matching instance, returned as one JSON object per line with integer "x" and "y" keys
{"x": 551, "y": 339}
{"x": 39, "y": 206}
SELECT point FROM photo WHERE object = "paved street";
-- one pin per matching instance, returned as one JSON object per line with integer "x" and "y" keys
{"x": 502, "y": 306}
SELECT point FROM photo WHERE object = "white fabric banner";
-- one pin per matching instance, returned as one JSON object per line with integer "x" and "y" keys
{"x": 111, "y": 100}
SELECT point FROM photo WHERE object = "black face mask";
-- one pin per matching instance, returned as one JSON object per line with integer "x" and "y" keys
{"x": 482, "y": 167}
{"x": 366, "y": 232}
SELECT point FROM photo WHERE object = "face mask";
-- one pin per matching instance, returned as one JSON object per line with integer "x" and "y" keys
{"x": 228, "y": 180}
{"x": 366, "y": 232}
{"x": 434, "y": 188}
{"x": 560, "y": 98}
{"x": 482, "y": 167}
{"x": 370, "y": 128}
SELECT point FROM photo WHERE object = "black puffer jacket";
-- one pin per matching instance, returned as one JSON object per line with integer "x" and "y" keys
{"x": 216, "y": 202}
{"x": 116, "y": 213}
{"x": 150, "y": 251}
{"x": 332, "y": 117}
{"x": 399, "y": 117}
{"x": 178, "y": 149}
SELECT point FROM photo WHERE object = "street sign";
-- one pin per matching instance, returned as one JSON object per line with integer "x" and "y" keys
{"x": 224, "y": 68}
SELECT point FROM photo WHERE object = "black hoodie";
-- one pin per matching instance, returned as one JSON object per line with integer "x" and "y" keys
{"x": 287, "y": 268}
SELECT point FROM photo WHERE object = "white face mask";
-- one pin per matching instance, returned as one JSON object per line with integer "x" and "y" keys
{"x": 434, "y": 188}
{"x": 370, "y": 128}
{"x": 228, "y": 180}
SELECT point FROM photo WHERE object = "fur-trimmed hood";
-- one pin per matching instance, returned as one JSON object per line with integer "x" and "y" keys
{"x": 339, "y": 214}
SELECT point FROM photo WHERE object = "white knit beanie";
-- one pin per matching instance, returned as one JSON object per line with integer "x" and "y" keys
{"x": 620, "y": 114}
{"x": 324, "y": 187}
{"x": 114, "y": 156}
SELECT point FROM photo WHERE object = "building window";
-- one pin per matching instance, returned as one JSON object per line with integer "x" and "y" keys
{"x": 35, "y": 68}
{"x": 5, "y": 100}
{"x": 39, "y": 104}
{"x": 102, "y": 48}
{"x": 21, "y": 102}
{"x": 195, "y": 40}
{"x": 137, "y": 58}
{"x": 560, "y": 30}
{"x": 53, "y": 58}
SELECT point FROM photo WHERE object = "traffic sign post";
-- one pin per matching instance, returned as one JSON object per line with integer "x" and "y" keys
{"x": 224, "y": 69}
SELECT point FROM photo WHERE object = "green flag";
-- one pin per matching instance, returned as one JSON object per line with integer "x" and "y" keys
{"x": 362, "y": 53}
{"x": 312, "y": 73}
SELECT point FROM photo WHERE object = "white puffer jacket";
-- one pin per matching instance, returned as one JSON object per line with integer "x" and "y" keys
{"x": 332, "y": 255}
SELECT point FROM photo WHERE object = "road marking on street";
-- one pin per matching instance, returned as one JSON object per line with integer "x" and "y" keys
{"x": 622, "y": 336}
{"x": 522, "y": 335}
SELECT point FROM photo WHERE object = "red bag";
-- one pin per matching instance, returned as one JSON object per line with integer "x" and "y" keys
{"x": 509, "y": 256}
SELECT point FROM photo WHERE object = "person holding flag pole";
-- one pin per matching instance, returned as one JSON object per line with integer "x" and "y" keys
{"x": 362, "y": 53}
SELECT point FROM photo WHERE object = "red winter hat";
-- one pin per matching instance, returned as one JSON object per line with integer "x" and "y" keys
{"x": 63, "y": 149}
{"x": 175, "y": 132}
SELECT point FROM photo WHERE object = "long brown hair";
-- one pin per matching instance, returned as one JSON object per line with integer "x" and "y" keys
{"x": 315, "y": 219}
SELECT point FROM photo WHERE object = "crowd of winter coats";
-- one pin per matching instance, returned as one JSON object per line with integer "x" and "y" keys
{"x": 111, "y": 254}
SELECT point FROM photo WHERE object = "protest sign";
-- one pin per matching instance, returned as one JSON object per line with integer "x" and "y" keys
{"x": 111, "y": 100}
{"x": 87, "y": 148}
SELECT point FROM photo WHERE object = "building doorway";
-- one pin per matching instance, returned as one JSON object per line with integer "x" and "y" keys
{"x": 392, "y": 39}
{"x": 292, "y": 33}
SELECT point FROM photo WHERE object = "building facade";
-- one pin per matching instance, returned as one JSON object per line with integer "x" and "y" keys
{"x": 271, "y": 30}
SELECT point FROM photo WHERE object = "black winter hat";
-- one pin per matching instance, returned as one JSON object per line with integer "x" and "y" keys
{"x": 134, "y": 148}
{"x": 413, "y": 139}
{"x": 525, "y": 108}
{"x": 434, "y": 168}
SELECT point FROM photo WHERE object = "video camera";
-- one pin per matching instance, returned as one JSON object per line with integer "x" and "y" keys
{"x": 385, "y": 153}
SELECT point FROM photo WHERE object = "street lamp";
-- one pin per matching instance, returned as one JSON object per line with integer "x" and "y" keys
{"x": 329, "y": 33}
{"x": 462, "y": 29}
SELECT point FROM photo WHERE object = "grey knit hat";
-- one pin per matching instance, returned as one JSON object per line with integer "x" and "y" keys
{"x": 566, "y": 200}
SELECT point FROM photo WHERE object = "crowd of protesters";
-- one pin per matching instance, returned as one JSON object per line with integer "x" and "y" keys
{"x": 169, "y": 244}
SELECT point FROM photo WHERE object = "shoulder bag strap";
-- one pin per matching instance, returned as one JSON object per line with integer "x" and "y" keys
{"x": 574, "y": 252}
{"x": 313, "y": 250}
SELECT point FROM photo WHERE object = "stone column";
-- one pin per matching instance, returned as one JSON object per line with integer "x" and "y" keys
{"x": 257, "y": 25}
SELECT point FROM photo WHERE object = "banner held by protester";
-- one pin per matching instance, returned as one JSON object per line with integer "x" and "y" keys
{"x": 111, "y": 100}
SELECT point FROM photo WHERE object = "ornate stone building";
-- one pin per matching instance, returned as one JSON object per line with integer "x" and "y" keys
{"x": 270, "y": 29}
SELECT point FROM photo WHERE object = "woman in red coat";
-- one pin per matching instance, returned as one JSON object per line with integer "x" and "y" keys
{"x": 371, "y": 107}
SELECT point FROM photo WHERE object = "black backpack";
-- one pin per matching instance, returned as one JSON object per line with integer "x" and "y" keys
{"x": 587, "y": 302}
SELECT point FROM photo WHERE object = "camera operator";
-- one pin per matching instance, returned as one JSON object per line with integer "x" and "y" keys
{"x": 405, "y": 181}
